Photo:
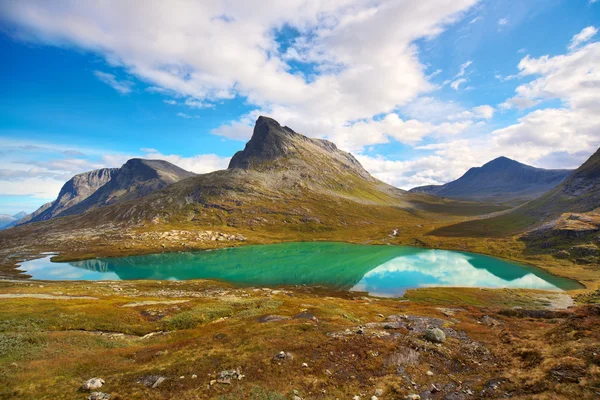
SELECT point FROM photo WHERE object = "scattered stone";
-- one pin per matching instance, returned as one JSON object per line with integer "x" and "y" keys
{"x": 194, "y": 376}
{"x": 413, "y": 397}
{"x": 159, "y": 382}
{"x": 434, "y": 389}
{"x": 272, "y": 318}
{"x": 306, "y": 315}
{"x": 296, "y": 397}
{"x": 356, "y": 398}
{"x": 282, "y": 355}
{"x": 152, "y": 381}
{"x": 152, "y": 334}
{"x": 225, "y": 377}
{"x": 429, "y": 373}
{"x": 93, "y": 384}
{"x": 304, "y": 365}
{"x": 99, "y": 396}
{"x": 378, "y": 392}
{"x": 374, "y": 398}
{"x": 435, "y": 335}
{"x": 489, "y": 321}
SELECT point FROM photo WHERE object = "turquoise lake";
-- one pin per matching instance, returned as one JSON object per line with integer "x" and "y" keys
{"x": 385, "y": 271}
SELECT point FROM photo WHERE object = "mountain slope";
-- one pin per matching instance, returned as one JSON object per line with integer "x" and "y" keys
{"x": 578, "y": 193}
{"x": 500, "y": 180}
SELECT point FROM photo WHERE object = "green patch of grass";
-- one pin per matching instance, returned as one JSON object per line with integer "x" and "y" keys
{"x": 18, "y": 346}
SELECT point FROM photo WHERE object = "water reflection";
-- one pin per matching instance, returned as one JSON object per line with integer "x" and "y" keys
{"x": 379, "y": 270}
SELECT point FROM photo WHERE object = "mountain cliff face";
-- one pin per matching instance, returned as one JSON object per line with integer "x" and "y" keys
{"x": 77, "y": 189}
{"x": 500, "y": 180}
{"x": 94, "y": 189}
{"x": 136, "y": 178}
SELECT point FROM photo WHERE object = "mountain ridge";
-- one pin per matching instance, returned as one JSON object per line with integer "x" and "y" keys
{"x": 499, "y": 180}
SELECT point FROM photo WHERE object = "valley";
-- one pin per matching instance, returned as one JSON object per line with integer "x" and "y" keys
{"x": 199, "y": 338}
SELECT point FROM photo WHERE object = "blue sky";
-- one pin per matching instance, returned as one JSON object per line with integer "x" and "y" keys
{"x": 418, "y": 91}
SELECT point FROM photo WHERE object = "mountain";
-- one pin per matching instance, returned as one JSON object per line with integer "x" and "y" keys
{"x": 281, "y": 185}
{"x": 6, "y": 221}
{"x": 136, "y": 178}
{"x": 20, "y": 215}
{"x": 500, "y": 180}
{"x": 98, "y": 188}
{"x": 578, "y": 193}
{"x": 77, "y": 189}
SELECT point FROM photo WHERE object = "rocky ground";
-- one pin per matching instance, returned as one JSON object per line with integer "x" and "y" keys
{"x": 208, "y": 340}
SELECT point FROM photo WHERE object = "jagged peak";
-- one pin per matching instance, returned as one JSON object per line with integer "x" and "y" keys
{"x": 269, "y": 141}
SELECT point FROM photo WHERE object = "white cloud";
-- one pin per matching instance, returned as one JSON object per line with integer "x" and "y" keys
{"x": 186, "y": 116}
{"x": 463, "y": 69}
{"x": 456, "y": 84}
{"x": 122, "y": 87}
{"x": 476, "y": 19}
{"x": 200, "y": 164}
{"x": 584, "y": 36}
{"x": 170, "y": 102}
{"x": 22, "y": 173}
{"x": 503, "y": 21}
{"x": 362, "y": 52}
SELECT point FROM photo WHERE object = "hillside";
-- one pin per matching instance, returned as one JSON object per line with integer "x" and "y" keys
{"x": 500, "y": 180}
{"x": 98, "y": 188}
{"x": 578, "y": 193}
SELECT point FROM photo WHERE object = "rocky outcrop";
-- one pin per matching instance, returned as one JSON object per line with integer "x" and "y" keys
{"x": 500, "y": 180}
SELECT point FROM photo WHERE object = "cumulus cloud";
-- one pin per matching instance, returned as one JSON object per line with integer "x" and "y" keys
{"x": 111, "y": 80}
{"x": 362, "y": 53}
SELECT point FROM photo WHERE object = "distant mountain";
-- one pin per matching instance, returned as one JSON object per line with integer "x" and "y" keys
{"x": 282, "y": 181}
{"x": 20, "y": 215}
{"x": 500, "y": 180}
{"x": 578, "y": 193}
{"x": 98, "y": 188}
{"x": 6, "y": 221}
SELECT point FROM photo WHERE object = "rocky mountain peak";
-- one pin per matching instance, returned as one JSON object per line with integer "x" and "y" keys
{"x": 269, "y": 141}
{"x": 273, "y": 146}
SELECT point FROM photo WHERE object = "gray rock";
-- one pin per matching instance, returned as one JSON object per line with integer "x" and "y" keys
{"x": 93, "y": 384}
{"x": 152, "y": 381}
{"x": 99, "y": 396}
{"x": 489, "y": 321}
{"x": 413, "y": 397}
{"x": 435, "y": 335}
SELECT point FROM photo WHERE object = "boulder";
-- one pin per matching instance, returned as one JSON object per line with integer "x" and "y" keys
{"x": 435, "y": 335}
{"x": 93, "y": 384}
{"x": 99, "y": 396}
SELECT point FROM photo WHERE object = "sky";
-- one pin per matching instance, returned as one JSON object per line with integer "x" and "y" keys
{"x": 419, "y": 91}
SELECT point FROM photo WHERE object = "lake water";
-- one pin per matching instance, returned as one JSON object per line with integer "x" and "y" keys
{"x": 380, "y": 270}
